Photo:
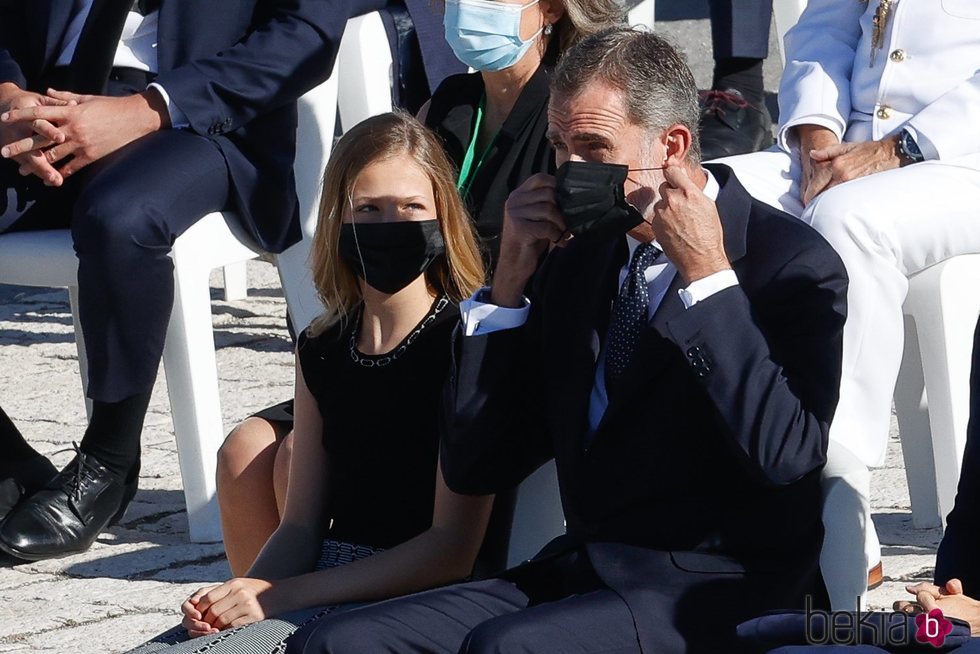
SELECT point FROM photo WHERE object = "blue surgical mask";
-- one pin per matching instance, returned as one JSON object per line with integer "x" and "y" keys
{"x": 485, "y": 34}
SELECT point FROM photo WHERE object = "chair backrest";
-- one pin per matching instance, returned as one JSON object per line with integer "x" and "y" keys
{"x": 314, "y": 141}
{"x": 785, "y": 14}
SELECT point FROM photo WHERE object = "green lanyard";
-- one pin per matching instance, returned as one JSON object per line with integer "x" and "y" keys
{"x": 468, "y": 171}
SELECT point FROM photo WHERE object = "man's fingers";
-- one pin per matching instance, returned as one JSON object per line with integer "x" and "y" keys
{"x": 29, "y": 144}
{"x": 538, "y": 180}
{"x": 75, "y": 165}
{"x": 35, "y": 113}
{"x": 67, "y": 96}
{"x": 826, "y": 154}
{"x": 924, "y": 587}
{"x": 954, "y": 587}
{"x": 904, "y": 606}
{"x": 33, "y": 163}
{"x": 48, "y": 131}
{"x": 926, "y": 600}
{"x": 678, "y": 178}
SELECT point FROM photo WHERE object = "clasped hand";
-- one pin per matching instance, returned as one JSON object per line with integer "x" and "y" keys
{"x": 234, "y": 603}
{"x": 827, "y": 163}
{"x": 56, "y": 135}
{"x": 949, "y": 599}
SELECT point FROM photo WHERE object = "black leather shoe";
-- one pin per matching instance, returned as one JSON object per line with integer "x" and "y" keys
{"x": 731, "y": 125}
{"x": 67, "y": 514}
{"x": 31, "y": 476}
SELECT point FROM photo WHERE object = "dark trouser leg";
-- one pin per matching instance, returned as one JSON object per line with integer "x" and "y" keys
{"x": 957, "y": 557}
{"x": 598, "y": 621}
{"x": 740, "y": 28}
{"x": 124, "y": 223}
{"x": 434, "y": 621}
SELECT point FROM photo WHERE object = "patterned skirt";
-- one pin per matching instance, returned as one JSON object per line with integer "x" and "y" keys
{"x": 264, "y": 637}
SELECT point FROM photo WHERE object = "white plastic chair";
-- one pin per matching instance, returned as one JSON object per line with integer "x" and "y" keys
{"x": 932, "y": 398}
{"x": 785, "y": 14}
{"x": 538, "y": 516}
{"x": 365, "y": 79}
{"x": 642, "y": 14}
{"x": 188, "y": 357}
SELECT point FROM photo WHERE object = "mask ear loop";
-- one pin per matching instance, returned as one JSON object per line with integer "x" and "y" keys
{"x": 357, "y": 243}
{"x": 640, "y": 170}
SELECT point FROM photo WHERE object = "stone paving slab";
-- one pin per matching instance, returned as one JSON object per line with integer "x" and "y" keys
{"x": 128, "y": 587}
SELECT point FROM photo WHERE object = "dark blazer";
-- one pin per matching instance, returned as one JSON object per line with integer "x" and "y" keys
{"x": 701, "y": 487}
{"x": 234, "y": 67}
{"x": 959, "y": 551}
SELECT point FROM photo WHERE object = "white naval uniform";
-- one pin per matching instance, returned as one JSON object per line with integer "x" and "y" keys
{"x": 886, "y": 226}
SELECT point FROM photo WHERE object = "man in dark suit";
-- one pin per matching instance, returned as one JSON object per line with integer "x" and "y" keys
{"x": 683, "y": 376}
{"x": 162, "y": 111}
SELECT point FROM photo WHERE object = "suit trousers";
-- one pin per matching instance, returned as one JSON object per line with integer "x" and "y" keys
{"x": 885, "y": 227}
{"x": 740, "y": 28}
{"x": 564, "y": 608}
{"x": 125, "y": 211}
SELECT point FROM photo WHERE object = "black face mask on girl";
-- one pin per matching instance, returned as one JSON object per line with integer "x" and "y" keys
{"x": 592, "y": 201}
{"x": 389, "y": 256}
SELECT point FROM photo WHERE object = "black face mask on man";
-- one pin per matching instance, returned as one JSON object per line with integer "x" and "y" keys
{"x": 592, "y": 200}
{"x": 389, "y": 256}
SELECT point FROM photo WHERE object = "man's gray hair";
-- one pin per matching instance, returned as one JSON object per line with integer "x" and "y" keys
{"x": 657, "y": 86}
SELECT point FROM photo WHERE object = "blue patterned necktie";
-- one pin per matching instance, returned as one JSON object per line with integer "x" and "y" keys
{"x": 629, "y": 314}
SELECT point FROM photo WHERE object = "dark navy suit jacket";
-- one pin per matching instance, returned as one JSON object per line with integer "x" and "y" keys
{"x": 700, "y": 490}
{"x": 234, "y": 67}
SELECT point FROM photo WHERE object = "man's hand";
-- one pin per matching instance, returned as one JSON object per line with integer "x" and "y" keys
{"x": 816, "y": 174}
{"x": 234, "y": 603}
{"x": 93, "y": 126}
{"x": 849, "y": 161}
{"x": 688, "y": 228}
{"x": 950, "y": 600}
{"x": 28, "y": 138}
{"x": 532, "y": 222}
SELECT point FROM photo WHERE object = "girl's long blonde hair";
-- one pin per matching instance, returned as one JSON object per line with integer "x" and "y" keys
{"x": 457, "y": 273}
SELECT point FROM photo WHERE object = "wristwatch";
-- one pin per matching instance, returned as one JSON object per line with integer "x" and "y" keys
{"x": 908, "y": 148}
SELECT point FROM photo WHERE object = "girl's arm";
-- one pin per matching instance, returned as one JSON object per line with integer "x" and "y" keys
{"x": 295, "y": 545}
{"x": 442, "y": 554}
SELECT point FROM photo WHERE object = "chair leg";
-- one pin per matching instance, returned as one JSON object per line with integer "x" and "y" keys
{"x": 192, "y": 382}
{"x": 236, "y": 281}
{"x": 946, "y": 361}
{"x": 80, "y": 347}
{"x": 913, "y": 427}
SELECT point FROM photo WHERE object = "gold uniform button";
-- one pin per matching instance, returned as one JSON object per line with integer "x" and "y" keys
{"x": 884, "y": 113}
{"x": 897, "y": 55}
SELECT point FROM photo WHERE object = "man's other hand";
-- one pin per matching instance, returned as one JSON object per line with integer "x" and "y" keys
{"x": 22, "y": 141}
{"x": 532, "y": 222}
{"x": 816, "y": 174}
{"x": 687, "y": 227}
{"x": 93, "y": 125}
{"x": 848, "y": 161}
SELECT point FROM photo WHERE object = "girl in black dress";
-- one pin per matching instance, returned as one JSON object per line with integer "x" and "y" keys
{"x": 393, "y": 253}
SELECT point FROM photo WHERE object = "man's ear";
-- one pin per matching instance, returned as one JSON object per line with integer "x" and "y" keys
{"x": 677, "y": 140}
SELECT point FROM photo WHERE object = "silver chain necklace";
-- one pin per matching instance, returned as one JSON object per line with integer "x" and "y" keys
{"x": 382, "y": 361}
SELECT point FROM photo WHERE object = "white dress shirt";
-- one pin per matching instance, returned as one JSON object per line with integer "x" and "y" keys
{"x": 479, "y": 318}
{"x": 137, "y": 49}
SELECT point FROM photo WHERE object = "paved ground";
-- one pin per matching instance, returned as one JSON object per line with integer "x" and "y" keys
{"x": 129, "y": 585}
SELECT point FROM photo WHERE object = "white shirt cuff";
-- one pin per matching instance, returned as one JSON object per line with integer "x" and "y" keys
{"x": 480, "y": 317}
{"x": 178, "y": 119}
{"x": 704, "y": 288}
{"x": 787, "y": 138}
